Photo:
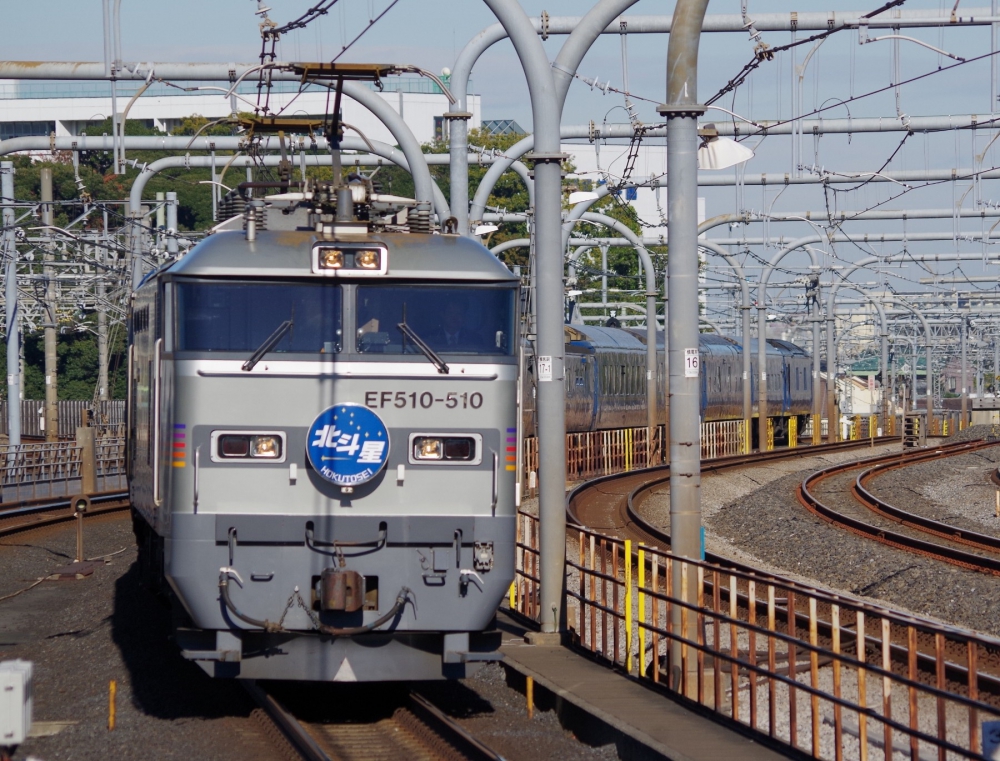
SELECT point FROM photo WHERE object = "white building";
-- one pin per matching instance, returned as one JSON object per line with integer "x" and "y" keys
{"x": 66, "y": 108}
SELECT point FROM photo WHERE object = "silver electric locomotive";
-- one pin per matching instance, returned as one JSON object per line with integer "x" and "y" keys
{"x": 322, "y": 445}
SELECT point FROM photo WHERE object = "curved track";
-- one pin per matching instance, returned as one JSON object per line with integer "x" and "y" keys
{"x": 951, "y": 541}
{"x": 612, "y": 506}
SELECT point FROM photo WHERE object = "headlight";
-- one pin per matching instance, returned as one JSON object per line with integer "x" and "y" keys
{"x": 247, "y": 446}
{"x": 428, "y": 449}
{"x": 265, "y": 446}
{"x": 447, "y": 448}
{"x": 367, "y": 259}
{"x": 234, "y": 446}
{"x": 331, "y": 258}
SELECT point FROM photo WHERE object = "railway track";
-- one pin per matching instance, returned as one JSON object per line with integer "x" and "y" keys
{"x": 408, "y": 726}
{"x": 16, "y": 517}
{"x": 612, "y": 506}
{"x": 962, "y": 548}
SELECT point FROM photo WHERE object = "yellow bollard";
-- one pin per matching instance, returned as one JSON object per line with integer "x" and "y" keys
{"x": 112, "y": 692}
{"x": 529, "y": 694}
{"x": 642, "y": 612}
{"x": 793, "y": 432}
{"x": 628, "y": 606}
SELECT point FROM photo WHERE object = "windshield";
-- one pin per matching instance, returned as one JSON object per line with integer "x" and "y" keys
{"x": 476, "y": 320}
{"x": 240, "y": 317}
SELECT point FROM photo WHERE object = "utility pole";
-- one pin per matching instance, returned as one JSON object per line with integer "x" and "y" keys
{"x": 965, "y": 374}
{"x": 682, "y": 111}
{"x": 13, "y": 318}
{"x": 51, "y": 357}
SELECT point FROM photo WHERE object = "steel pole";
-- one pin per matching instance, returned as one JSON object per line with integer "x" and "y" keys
{"x": 13, "y": 318}
{"x": 550, "y": 342}
{"x": 832, "y": 423}
{"x": 817, "y": 318}
{"x": 762, "y": 368}
{"x": 965, "y": 373}
{"x": 51, "y": 356}
{"x": 171, "y": 231}
{"x": 682, "y": 111}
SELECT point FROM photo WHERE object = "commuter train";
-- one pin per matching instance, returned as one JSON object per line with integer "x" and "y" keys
{"x": 606, "y": 380}
{"x": 322, "y": 426}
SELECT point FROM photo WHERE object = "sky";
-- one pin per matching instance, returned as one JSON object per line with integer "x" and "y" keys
{"x": 430, "y": 35}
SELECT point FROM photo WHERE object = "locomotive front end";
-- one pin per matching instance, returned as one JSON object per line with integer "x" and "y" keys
{"x": 329, "y": 481}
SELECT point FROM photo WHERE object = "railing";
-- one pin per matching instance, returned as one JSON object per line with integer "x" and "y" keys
{"x": 107, "y": 416}
{"x": 38, "y": 471}
{"x": 590, "y": 454}
{"x": 831, "y": 677}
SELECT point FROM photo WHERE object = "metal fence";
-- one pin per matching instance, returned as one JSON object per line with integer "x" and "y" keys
{"x": 107, "y": 416}
{"x": 833, "y": 678}
{"x": 41, "y": 471}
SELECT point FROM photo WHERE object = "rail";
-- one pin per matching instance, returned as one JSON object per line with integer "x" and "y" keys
{"x": 872, "y": 467}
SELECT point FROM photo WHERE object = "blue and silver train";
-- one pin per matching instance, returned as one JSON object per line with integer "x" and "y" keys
{"x": 322, "y": 436}
{"x": 606, "y": 380}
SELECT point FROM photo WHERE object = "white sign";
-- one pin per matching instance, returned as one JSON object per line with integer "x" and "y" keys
{"x": 871, "y": 382}
{"x": 544, "y": 369}
{"x": 691, "y": 363}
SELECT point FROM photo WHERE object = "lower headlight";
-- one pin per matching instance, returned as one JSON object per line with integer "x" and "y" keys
{"x": 426, "y": 448}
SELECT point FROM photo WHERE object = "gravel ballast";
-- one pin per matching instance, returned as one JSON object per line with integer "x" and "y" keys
{"x": 769, "y": 525}
{"x": 81, "y": 634}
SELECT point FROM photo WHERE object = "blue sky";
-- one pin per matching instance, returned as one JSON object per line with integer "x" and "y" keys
{"x": 430, "y": 34}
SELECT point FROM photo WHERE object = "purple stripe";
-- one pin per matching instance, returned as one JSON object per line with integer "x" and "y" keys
{"x": 178, "y": 435}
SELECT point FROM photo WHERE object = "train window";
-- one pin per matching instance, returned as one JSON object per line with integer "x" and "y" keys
{"x": 241, "y": 316}
{"x": 465, "y": 319}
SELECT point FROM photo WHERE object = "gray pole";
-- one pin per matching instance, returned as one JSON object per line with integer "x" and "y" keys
{"x": 172, "y": 222}
{"x": 965, "y": 372}
{"x": 883, "y": 396}
{"x": 996, "y": 362}
{"x": 549, "y": 292}
{"x": 832, "y": 424}
{"x": 13, "y": 318}
{"x": 682, "y": 111}
{"x": 604, "y": 278}
{"x": 51, "y": 357}
{"x": 747, "y": 371}
{"x": 762, "y": 367}
{"x": 817, "y": 318}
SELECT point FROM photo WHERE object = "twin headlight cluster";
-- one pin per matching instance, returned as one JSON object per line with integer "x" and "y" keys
{"x": 349, "y": 260}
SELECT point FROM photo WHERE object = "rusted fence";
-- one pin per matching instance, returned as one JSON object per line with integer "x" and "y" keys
{"x": 39, "y": 471}
{"x": 831, "y": 677}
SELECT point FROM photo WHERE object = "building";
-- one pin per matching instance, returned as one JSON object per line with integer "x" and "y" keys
{"x": 31, "y": 108}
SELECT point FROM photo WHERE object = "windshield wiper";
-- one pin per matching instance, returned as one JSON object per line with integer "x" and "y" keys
{"x": 269, "y": 344}
{"x": 422, "y": 345}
